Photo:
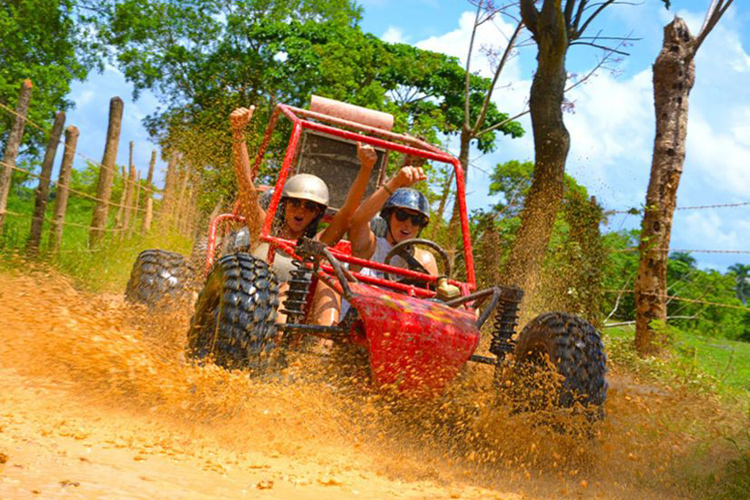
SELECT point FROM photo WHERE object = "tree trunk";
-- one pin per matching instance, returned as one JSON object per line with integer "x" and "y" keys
{"x": 63, "y": 185}
{"x": 12, "y": 146}
{"x": 42, "y": 190}
{"x": 107, "y": 172}
{"x": 454, "y": 224}
{"x": 551, "y": 144}
{"x": 673, "y": 76}
{"x": 438, "y": 218}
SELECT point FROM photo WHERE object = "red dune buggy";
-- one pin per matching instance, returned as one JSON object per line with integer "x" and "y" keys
{"x": 417, "y": 338}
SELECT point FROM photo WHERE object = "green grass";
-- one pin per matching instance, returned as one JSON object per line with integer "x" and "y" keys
{"x": 727, "y": 360}
{"x": 710, "y": 365}
{"x": 706, "y": 363}
{"x": 107, "y": 268}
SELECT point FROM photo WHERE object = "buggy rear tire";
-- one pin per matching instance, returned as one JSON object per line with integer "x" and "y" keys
{"x": 158, "y": 276}
{"x": 234, "y": 324}
{"x": 574, "y": 347}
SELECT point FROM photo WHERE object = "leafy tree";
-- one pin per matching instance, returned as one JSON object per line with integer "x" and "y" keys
{"x": 47, "y": 42}
{"x": 684, "y": 257}
{"x": 701, "y": 289}
{"x": 207, "y": 57}
{"x": 742, "y": 278}
{"x": 555, "y": 26}
{"x": 573, "y": 271}
{"x": 479, "y": 118}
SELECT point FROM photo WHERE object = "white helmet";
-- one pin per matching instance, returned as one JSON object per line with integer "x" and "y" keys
{"x": 306, "y": 187}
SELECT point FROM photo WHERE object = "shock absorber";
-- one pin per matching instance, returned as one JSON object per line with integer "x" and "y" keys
{"x": 299, "y": 289}
{"x": 504, "y": 327}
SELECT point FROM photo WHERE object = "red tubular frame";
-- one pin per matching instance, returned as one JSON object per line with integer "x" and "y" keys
{"x": 212, "y": 230}
{"x": 429, "y": 152}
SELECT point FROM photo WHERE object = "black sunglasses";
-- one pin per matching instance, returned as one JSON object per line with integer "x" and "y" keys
{"x": 416, "y": 219}
{"x": 309, "y": 205}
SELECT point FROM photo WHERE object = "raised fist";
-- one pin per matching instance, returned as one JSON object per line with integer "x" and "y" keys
{"x": 366, "y": 155}
{"x": 409, "y": 176}
{"x": 240, "y": 118}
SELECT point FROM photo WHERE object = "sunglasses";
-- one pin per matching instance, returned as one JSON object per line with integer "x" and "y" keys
{"x": 416, "y": 219}
{"x": 309, "y": 205}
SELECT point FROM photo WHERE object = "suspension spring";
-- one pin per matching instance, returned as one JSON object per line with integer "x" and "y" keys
{"x": 299, "y": 289}
{"x": 503, "y": 328}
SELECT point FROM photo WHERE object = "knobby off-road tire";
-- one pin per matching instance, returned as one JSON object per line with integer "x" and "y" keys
{"x": 575, "y": 349}
{"x": 160, "y": 277}
{"x": 234, "y": 324}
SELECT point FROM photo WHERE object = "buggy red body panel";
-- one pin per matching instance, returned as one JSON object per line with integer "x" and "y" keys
{"x": 416, "y": 346}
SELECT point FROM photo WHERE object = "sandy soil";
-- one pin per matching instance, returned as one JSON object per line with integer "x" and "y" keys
{"x": 97, "y": 401}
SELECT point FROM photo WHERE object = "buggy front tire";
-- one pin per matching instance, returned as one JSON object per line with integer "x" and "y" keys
{"x": 159, "y": 277}
{"x": 574, "y": 348}
{"x": 234, "y": 324}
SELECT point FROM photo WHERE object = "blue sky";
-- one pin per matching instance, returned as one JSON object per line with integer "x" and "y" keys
{"x": 611, "y": 128}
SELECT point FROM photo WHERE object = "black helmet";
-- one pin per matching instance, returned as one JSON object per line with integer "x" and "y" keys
{"x": 406, "y": 198}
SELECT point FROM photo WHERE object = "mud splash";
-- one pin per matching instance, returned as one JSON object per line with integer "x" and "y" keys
{"x": 97, "y": 371}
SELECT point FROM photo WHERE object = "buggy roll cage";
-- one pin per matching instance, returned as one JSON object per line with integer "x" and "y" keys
{"x": 301, "y": 120}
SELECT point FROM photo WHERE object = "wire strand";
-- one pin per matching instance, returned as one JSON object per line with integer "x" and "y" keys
{"x": 61, "y": 141}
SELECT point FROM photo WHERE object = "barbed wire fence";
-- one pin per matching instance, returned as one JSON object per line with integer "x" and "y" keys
{"x": 635, "y": 211}
{"x": 106, "y": 221}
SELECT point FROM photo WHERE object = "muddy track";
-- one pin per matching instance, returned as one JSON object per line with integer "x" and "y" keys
{"x": 98, "y": 402}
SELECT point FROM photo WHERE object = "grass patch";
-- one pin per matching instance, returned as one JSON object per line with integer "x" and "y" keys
{"x": 704, "y": 363}
{"x": 709, "y": 365}
{"x": 105, "y": 269}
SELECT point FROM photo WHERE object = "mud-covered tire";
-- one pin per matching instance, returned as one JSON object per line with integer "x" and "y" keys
{"x": 160, "y": 277}
{"x": 575, "y": 349}
{"x": 234, "y": 324}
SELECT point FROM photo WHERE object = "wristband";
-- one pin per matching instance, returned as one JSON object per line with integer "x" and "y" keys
{"x": 387, "y": 189}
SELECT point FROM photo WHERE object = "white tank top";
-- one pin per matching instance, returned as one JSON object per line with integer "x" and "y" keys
{"x": 282, "y": 263}
{"x": 382, "y": 247}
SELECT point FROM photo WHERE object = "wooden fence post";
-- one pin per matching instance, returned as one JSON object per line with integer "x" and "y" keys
{"x": 136, "y": 205}
{"x": 180, "y": 205}
{"x": 63, "y": 184}
{"x": 149, "y": 214}
{"x": 193, "y": 218}
{"x": 42, "y": 190}
{"x": 12, "y": 145}
{"x": 167, "y": 201}
{"x": 121, "y": 203}
{"x": 128, "y": 199}
{"x": 107, "y": 172}
{"x": 187, "y": 207}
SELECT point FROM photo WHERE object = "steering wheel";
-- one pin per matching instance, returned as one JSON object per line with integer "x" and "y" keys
{"x": 402, "y": 250}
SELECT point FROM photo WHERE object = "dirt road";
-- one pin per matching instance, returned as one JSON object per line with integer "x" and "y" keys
{"x": 97, "y": 401}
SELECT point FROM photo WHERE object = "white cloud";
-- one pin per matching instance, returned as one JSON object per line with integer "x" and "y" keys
{"x": 703, "y": 230}
{"x": 84, "y": 97}
{"x": 721, "y": 160}
{"x": 490, "y": 34}
{"x": 394, "y": 35}
{"x": 613, "y": 120}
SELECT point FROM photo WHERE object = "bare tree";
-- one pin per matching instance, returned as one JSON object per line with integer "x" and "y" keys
{"x": 555, "y": 27}
{"x": 673, "y": 77}
{"x": 475, "y": 126}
